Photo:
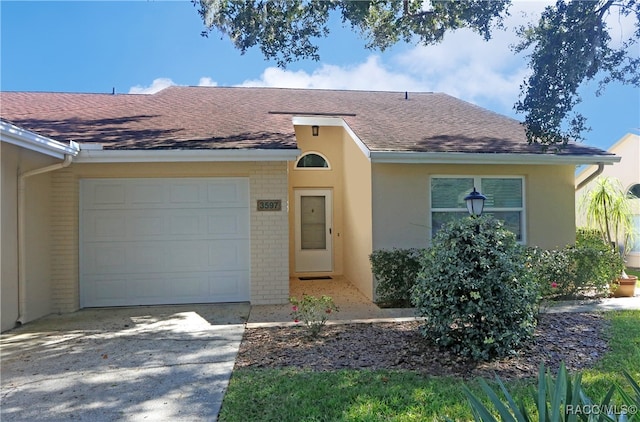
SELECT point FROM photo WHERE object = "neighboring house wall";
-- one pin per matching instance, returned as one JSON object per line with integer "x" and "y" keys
{"x": 269, "y": 230}
{"x": 627, "y": 171}
{"x": 9, "y": 234}
{"x": 401, "y": 210}
{"x": 15, "y": 160}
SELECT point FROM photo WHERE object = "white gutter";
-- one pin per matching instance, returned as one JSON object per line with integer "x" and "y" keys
{"x": 487, "y": 158}
{"x": 592, "y": 176}
{"x": 172, "y": 156}
{"x": 32, "y": 141}
{"x": 412, "y": 157}
{"x": 22, "y": 250}
{"x": 25, "y": 139}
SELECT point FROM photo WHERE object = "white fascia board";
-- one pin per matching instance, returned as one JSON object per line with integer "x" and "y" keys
{"x": 26, "y": 139}
{"x": 475, "y": 158}
{"x": 317, "y": 121}
{"x": 194, "y": 155}
{"x": 332, "y": 121}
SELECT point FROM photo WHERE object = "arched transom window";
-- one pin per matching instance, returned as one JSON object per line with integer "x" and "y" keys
{"x": 312, "y": 160}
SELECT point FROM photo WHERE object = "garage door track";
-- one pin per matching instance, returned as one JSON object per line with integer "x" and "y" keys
{"x": 142, "y": 363}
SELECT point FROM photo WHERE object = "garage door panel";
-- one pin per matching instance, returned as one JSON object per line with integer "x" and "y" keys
{"x": 146, "y": 195}
{"x": 122, "y": 225}
{"x": 144, "y": 257}
{"x": 169, "y": 193}
{"x": 105, "y": 226}
{"x": 229, "y": 223}
{"x": 105, "y": 194}
{"x": 229, "y": 255}
{"x": 163, "y": 241}
{"x": 227, "y": 286}
{"x": 227, "y": 194}
{"x": 145, "y": 226}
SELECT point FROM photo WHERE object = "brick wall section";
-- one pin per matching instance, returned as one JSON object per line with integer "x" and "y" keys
{"x": 269, "y": 229}
{"x": 64, "y": 241}
{"x": 269, "y": 236}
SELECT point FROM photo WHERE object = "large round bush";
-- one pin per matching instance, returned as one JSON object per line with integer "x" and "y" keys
{"x": 475, "y": 290}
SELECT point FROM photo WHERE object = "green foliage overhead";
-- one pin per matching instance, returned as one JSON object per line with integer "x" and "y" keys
{"x": 287, "y": 30}
{"x": 569, "y": 45}
{"x": 475, "y": 290}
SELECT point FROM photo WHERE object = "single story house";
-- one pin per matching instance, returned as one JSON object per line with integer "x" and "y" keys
{"x": 214, "y": 194}
{"x": 627, "y": 171}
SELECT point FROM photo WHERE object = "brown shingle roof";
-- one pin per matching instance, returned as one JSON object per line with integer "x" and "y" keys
{"x": 230, "y": 118}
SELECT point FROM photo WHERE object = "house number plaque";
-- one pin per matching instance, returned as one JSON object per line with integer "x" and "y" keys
{"x": 269, "y": 205}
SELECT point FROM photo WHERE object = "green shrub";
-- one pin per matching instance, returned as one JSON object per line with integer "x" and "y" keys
{"x": 313, "y": 312}
{"x": 584, "y": 269}
{"x": 597, "y": 263}
{"x": 395, "y": 271}
{"x": 475, "y": 290}
{"x": 553, "y": 271}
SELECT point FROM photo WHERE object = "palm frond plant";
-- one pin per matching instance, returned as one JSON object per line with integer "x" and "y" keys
{"x": 608, "y": 209}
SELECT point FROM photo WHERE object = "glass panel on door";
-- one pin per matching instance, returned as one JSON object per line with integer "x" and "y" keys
{"x": 313, "y": 223}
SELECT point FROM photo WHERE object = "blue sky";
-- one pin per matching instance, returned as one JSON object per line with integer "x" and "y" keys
{"x": 141, "y": 46}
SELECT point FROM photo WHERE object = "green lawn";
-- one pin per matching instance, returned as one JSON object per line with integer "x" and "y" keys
{"x": 633, "y": 271}
{"x": 352, "y": 395}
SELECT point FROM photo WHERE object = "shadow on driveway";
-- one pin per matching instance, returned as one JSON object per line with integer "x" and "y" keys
{"x": 140, "y": 363}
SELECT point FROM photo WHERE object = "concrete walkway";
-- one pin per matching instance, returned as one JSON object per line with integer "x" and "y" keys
{"x": 355, "y": 307}
{"x": 165, "y": 363}
{"x": 160, "y": 363}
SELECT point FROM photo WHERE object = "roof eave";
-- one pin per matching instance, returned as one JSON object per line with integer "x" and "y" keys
{"x": 409, "y": 157}
{"x": 192, "y": 155}
{"x": 18, "y": 136}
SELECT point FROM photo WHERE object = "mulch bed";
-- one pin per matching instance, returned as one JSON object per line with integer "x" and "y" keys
{"x": 578, "y": 339}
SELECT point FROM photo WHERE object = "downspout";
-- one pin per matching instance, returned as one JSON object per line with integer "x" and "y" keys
{"x": 22, "y": 260}
{"x": 592, "y": 176}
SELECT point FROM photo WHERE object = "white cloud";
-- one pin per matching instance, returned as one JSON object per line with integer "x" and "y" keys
{"x": 369, "y": 75}
{"x": 157, "y": 85}
{"x": 207, "y": 81}
{"x": 621, "y": 28}
{"x": 463, "y": 65}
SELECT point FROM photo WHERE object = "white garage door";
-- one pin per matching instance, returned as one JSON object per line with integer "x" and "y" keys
{"x": 164, "y": 241}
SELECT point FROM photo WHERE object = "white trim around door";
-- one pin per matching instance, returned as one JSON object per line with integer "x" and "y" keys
{"x": 313, "y": 230}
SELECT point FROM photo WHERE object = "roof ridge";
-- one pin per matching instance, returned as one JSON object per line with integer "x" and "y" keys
{"x": 298, "y": 89}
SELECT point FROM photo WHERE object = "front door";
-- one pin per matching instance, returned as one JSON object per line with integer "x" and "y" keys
{"x": 313, "y": 209}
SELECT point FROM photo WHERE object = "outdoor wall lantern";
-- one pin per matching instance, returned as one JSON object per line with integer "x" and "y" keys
{"x": 315, "y": 130}
{"x": 475, "y": 203}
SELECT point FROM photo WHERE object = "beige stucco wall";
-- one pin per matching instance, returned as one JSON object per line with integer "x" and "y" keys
{"x": 349, "y": 177}
{"x": 329, "y": 144}
{"x": 401, "y": 202}
{"x": 357, "y": 215}
{"x": 269, "y": 230}
{"x": 15, "y": 160}
{"x": 627, "y": 171}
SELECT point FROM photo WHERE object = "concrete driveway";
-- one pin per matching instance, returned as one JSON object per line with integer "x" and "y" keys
{"x": 130, "y": 364}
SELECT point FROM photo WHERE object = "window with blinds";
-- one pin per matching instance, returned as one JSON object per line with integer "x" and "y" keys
{"x": 505, "y": 200}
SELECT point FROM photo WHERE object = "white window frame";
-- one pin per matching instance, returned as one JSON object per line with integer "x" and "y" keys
{"x": 295, "y": 166}
{"x": 477, "y": 182}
